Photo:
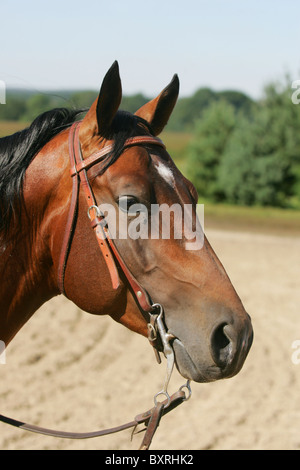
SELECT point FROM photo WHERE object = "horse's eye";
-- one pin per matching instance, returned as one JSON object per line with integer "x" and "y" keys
{"x": 129, "y": 204}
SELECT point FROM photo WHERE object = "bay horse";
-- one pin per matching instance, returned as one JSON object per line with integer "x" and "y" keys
{"x": 49, "y": 215}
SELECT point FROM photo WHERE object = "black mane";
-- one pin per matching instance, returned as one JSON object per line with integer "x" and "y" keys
{"x": 18, "y": 150}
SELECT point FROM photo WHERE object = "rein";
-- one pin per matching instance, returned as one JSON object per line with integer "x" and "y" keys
{"x": 158, "y": 337}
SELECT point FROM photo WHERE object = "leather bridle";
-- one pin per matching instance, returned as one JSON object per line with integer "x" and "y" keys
{"x": 111, "y": 255}
{"x": 158, "y": 337}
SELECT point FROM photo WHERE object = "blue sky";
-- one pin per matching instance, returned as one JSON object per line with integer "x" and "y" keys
{"x": 223, "y": 44}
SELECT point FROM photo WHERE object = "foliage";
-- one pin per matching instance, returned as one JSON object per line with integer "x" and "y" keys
{"x": 13, "y": 110}
{"x": 27, "y": 105}
{"x": 24, "y": 105}
{"x": 254, "y": 169}
{"x": 206, "y": 148}
{"x": 133, "y": 103}
{"x": 189, "y": 110}
{"x": 253, "y": 159}
{"x": 83, "y": 99}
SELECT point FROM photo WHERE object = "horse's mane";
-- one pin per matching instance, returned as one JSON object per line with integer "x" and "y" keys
{"x": 18, "y": 150}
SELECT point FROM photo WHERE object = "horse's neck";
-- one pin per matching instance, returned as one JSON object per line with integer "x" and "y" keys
{"x": 26, "y": 266}
{"x": 24, "y": 284}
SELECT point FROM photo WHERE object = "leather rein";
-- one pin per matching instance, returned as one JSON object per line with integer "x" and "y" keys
{"x": 158, "y": 337}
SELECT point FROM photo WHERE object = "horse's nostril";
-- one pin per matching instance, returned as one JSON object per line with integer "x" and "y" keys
{"x": 221, "y": 346}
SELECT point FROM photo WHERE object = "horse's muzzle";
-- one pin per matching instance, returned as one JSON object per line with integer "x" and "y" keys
{"x": 220, "y": 356}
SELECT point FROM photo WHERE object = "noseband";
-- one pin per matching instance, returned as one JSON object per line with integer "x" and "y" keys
{"x": 158, "y": 336}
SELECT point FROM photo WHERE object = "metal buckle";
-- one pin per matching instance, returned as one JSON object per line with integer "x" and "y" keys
{"x": 99, "y": 213}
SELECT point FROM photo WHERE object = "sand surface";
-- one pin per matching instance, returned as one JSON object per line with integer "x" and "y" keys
{"x": 73, "y": 371}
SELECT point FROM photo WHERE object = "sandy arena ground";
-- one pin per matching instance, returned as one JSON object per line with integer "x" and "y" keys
{"x": 73, "y": 371}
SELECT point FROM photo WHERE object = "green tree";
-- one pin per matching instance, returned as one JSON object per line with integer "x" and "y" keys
{"x": 241, "y": 102}
{"x": 133, "y": 103}
{"x": 83, "y": 99}
{"x": 190, "y": 109}
{"x": 14, "y": 108}
{"x": 262, "y": 159}
{"x": 207, "y": 147}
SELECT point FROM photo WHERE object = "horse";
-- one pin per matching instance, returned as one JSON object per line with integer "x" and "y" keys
{"x": 50, "y": 214}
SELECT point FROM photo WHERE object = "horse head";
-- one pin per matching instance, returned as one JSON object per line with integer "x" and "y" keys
{"x": 212, "y": 331}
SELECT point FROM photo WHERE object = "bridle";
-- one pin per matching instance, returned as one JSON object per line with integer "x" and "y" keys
{"x": 111, "y": 255}
{"x": 158, "y": 336}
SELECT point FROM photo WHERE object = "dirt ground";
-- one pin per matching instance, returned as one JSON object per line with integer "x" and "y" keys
{"x": 73, "y": 371}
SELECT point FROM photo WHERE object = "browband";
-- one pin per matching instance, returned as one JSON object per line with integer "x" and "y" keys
{"x": 96, "y": 157}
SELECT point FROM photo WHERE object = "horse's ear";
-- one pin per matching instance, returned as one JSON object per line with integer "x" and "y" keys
{"x": 100, "y": 115}
{"x": 158, "y": 110}
{"x": 109, "y": 99}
